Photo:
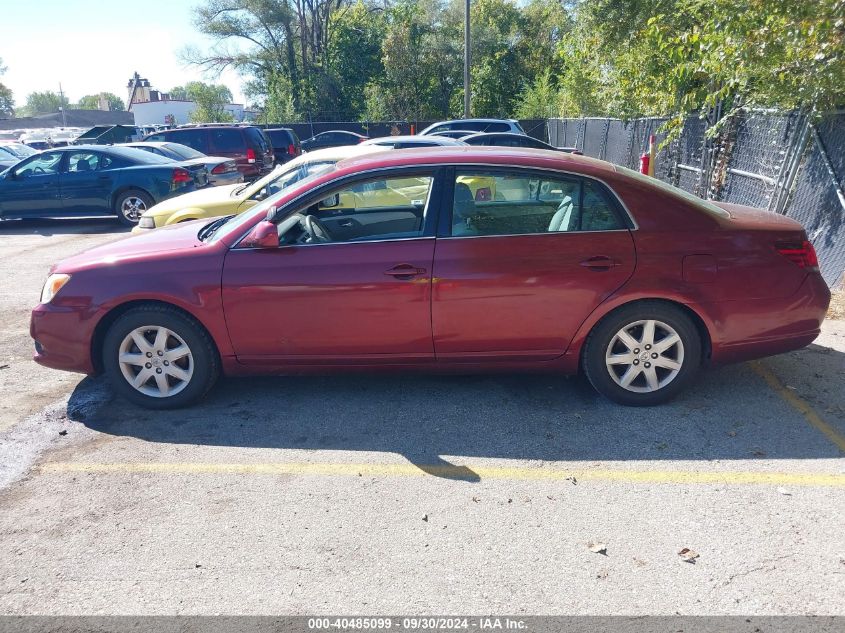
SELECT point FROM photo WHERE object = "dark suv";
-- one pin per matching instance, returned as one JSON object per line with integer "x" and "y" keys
{"x": 247, "y": 145}
{"x": 285, "y": 143}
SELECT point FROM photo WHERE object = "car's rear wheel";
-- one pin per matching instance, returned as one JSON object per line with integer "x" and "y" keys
{"x": 159, "y": 357}
{"x": 643, "y": 354}
{"x": 130, "y": 206}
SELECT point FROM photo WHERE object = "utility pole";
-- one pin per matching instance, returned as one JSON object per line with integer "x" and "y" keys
{"x": 466, "y": 59}
{"x": 62, "y": 105}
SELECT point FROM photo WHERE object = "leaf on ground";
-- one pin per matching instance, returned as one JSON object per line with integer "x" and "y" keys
{"x": 425, "y": 517}
{"x": 784, "y": 491}
{"x": 688, "y": 555}
{"x": 597, "y": 547}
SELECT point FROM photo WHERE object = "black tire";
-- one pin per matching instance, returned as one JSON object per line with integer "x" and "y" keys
{"x": 123, "y": 202}
{"x": 604, "y": 334}
{"x": 205, "y": 363}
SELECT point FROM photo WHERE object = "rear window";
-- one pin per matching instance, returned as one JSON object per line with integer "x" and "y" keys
{"x": 282, "y": 138}
{"x": 257, "y": 139}
{"x": 703, "y": 205}
{"x": 139, "y": 156}
{"x": 227, "y": 140}
{"x": 183, "y": 151}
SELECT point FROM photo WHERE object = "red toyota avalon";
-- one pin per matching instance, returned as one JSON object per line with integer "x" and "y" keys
{"x": 441, "y": 259}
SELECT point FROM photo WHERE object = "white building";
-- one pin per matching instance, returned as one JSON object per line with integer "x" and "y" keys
{"x": 151, "y": 107}
{"x": 160, "y": 112}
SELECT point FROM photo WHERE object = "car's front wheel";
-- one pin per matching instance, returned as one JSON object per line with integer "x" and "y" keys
{"x": 159, "y": 357}
{"x": 643, "y": 354}
{"x": 131, "y": 205}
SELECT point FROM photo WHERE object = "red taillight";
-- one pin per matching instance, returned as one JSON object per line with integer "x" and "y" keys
{"x": 181, "y": 175}
{"x": 291, "y": 150}
{"x": 222, "y": 168}
{"x": 250, "y": 155}
{"x": 803, "y": 256}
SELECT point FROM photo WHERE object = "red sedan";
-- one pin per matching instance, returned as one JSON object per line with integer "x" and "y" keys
{"x": 441, "y": 259}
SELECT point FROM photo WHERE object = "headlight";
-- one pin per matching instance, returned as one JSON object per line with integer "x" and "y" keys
{"x": 147, "y": 222}
{"x": 52, "y": 286}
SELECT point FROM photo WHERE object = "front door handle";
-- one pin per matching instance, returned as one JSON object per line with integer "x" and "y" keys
{"x": 600, "y": 263}
{"x": 404, "y": 271}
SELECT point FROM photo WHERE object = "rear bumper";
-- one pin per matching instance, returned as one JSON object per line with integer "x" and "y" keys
{"x": 744, "y": 330}
{"x": 230, "y": 178}
{"x": 62, "y": 338}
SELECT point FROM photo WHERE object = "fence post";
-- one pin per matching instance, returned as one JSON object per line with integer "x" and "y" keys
{"x": 793, "y": 165}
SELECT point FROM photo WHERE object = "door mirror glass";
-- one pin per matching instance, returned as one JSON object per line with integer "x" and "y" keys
{"x": 263, "y": 235}
{"x": 332, "y": 201}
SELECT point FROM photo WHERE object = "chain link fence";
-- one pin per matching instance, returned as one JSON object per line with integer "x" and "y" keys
{"x": 781, "y": 162}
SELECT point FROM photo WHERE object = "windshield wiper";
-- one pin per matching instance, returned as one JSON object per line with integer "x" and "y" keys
{"x": 209, "y": 229}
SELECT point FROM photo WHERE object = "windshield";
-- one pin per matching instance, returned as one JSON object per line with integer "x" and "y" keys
{"x": 290, "y": 177}
{"x": 184, "y": 151}
{"x": 699, "y": 203}
{"x": 237, "y": 222}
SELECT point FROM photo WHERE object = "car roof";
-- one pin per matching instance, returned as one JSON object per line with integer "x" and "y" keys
{"x": 416, "y": 138}
{"x": 506, "y": 134}
{"x": 334, "y": 154}
{"x": 481, "y": 156}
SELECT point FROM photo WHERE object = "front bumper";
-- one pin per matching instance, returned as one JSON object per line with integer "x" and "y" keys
{"x": 62, "y": 338}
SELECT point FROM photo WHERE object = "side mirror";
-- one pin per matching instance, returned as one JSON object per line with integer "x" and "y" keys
{"x": 332, "y": 201}
{"x": 263, "y": 235}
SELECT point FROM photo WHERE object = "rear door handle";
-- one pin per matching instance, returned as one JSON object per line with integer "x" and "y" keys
{"x": 600, "y": 263}
{"x": 404, "y": 271}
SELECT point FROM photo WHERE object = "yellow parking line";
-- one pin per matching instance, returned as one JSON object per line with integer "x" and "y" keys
{"x": 455, "y": 472}
{"x": 800, "y": 404}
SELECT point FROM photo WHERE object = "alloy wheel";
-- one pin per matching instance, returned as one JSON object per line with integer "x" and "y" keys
{"x": 645, "y": 356}
{"x": 156, "y": 361}
{"x": 132, "y": 208}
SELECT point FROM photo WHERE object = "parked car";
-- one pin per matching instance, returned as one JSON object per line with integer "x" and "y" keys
{"x": 90, "y": 180}
{"x": 233, "y": 199}
{"x": 286, "y": 145}
{"x": 332, "y": 138}
{"x": 407, "y": 142}
{"x": 247, "y": 145}
{"x": 583, "y": 266}
{"x": 476, "y": 125}
{"x": 506, "y": 139}
{"x": 219, "y": 169}
{"x": 18, "y": 150}
{"x": 12, "y": 152}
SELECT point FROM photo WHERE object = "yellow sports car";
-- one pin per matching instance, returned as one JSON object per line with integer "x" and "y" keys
{"x": 229, "y": 199}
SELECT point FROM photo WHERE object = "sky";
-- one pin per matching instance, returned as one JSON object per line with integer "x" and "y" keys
{"x": 93, "y": 46}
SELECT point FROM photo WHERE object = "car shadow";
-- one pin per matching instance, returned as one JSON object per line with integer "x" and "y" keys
{"x": 62, "y": 226}
{"x": 436, "y": 422}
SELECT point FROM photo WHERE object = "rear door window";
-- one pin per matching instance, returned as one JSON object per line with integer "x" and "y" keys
{"x": 518, "y": 203}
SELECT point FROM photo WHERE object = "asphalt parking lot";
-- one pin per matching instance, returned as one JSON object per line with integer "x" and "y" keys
{"x": 413, "y": 494}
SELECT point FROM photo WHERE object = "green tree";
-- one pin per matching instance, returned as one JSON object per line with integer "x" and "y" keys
{"x": 675, "y": 57}
{"x": 7, "y": 101}
{"x": 92, "y": 102}
{"x": 210, "y": 100}
{"x": 179, "y": 93}
{"x": 45, "y": 102}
